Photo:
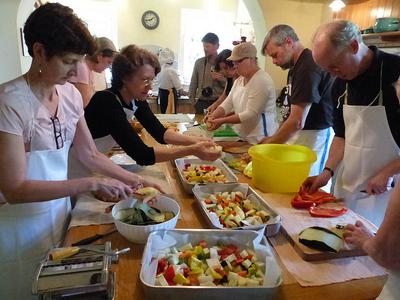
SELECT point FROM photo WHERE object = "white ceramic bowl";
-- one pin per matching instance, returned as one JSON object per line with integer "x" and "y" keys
{"x": 139, "y": 233}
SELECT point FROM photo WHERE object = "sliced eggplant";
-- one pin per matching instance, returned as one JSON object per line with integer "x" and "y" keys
{"x": 151, "y": 213}
{"x": 321, "y": 239}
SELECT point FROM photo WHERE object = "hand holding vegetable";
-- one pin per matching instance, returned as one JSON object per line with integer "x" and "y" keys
{"x": 357, "y": 234}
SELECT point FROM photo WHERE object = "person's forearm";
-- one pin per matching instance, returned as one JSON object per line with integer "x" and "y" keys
{"x": 100, "y": 163}
{"x": 384, "y": 248}
{"x": 336, "y": 152}
{"x": 40, "y": 190}
{"x": 219, "y": 112}
{"x": 391, "y": 168}
{"x": 230, "y": 119}
{"x": 175, "y": 138}
{"x": 285, "y": 132}
{"x": 164, "y": 153}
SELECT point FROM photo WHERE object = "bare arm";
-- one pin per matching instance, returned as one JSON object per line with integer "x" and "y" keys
{"x": 96, "y": 161}
{"x": 336, "y": 152}
{"x": 384, "y": 248}
{"x": 85, "y": 91}
{"x": 295, "y": 122}
{"x": 379, "y": 183}
{"x": 174, "y": 138}
{"x": 16, "y": 188}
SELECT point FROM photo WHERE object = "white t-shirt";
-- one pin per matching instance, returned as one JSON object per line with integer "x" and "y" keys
{"x": 255, "y": 105}
{"x": 168, "y": 78}
{"x": 22, "y": 114}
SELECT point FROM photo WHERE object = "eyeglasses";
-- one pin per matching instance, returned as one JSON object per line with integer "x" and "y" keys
{"x": 148, "y": 82}
{"x": 236, "y": 62}
{"x": 57, "y": 132}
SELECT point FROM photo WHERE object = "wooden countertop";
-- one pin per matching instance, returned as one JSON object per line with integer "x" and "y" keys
{"x": 128, "y": 268}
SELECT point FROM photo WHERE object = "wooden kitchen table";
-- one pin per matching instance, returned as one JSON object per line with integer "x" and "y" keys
{"x": 128, "y": 268}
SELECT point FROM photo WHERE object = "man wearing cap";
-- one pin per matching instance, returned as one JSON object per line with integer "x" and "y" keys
{"x": 308, "y": 95}
{"x": 85, "y": 79}
{"x": 250, "y": 105}
{"x": 206, "y": 86}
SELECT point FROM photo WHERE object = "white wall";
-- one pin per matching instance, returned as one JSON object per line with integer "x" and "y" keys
{"x": 10, "y": 48}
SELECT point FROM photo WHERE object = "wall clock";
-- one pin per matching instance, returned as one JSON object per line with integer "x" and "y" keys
{"x": 150, "y": 19}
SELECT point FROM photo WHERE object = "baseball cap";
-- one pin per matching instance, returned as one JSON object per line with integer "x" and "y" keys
{"x": 243, "y": 50}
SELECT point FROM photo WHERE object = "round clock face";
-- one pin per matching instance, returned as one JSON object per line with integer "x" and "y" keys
{"x": 150, "y": 19}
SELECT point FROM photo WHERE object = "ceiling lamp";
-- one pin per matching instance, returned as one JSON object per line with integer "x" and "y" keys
{"x": 337, "y": 5}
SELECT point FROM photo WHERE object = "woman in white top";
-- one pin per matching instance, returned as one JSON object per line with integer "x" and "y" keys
{"x": 41, "y": 114}
{"x": 250, "y": 105}
{"x": 168, "y": 79}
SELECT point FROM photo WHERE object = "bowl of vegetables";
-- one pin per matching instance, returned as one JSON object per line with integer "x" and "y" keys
{"x": 135, "y": 219}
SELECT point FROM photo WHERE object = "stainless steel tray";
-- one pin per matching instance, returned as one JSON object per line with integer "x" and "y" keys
{"x": 187, "y": 186}
{"x": 273, "y": 225}
{"x": 238, "y": 237}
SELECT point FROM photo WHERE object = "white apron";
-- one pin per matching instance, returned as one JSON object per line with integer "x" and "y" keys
{"x": 28, "y": 230}
{"x": 103, "y": 145}
{"x": 317, "y": 140}
{"x": 369, "y": 146}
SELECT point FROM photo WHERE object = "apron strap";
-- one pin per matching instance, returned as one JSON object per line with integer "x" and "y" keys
{"x": 380, "y": 103}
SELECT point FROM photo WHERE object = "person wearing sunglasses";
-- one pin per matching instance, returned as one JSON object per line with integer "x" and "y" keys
{"x": 90, "y": 65}
{"x": 41, "y": 114}
{"x": 109, "y": 113}
{"x": 250, "y": 105}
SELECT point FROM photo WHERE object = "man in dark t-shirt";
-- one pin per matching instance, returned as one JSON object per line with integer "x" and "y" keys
{"x": 308, "y": 110}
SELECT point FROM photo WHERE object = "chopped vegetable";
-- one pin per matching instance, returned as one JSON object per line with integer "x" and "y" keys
{"x": 143, "y": 214}
{"x": 203, "y": 174}
{"x": 233, "y": 210}
{"x": 304, "y": 200}
{"x": 327, "y": 210}
{"x": 231, "y": 267}
{"x": 321, "y": 239}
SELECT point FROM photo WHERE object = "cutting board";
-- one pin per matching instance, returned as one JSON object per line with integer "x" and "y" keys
{"x": 295, "y": 220}
{"x": 309, "y": 254}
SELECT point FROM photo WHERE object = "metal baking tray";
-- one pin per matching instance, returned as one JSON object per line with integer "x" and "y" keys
{"x": 273, "y": 225}
{"x": 241, "y": 238}
{"x": 180, "y": 165}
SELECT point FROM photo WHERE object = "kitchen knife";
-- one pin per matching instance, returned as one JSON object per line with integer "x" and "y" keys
{"x": 93, "y": 238}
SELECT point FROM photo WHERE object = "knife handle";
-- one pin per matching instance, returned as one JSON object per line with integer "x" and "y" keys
{"x": 88, "y": 240}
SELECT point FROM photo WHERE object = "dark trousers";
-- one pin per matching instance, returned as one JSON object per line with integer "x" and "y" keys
{"x": 163, "y": 96}
{"x": 201, "y": 105}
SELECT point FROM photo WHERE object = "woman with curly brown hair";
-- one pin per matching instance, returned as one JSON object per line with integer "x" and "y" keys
{"x": 41, "y": 114}
{"x": 107, "y": 114}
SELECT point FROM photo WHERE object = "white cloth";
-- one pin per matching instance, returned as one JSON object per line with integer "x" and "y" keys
{"x": 254, "y": 103}
{"x": 369, "y": 146}
{"x": 317, "y": 140}
{"x": 28, "y": 230}
{"x": 168, "y": 78}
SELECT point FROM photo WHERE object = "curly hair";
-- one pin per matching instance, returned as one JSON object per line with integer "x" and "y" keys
{"x": 60, "y": 31}
{"x": 129, "y": 61}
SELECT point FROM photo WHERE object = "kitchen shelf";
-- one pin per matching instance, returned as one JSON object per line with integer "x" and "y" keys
{"x": 383, "y": 39}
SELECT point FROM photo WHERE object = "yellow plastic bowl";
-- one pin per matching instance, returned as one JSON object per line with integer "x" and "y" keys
{"x": 280, "y": 168}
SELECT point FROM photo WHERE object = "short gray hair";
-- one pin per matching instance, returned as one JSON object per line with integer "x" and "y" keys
{"x": 340, "y": 33}
{"x": 279, "y": 33}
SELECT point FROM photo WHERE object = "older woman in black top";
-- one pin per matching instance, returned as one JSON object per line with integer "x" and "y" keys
{"x": 133, "y": 71}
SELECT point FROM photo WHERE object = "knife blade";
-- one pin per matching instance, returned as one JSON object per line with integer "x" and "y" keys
{"x": 93, "y": 238}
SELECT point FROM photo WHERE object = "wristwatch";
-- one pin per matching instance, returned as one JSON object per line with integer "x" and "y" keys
{"x": 329, "y": 170}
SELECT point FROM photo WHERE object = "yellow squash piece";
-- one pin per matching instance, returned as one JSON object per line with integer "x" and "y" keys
{"x": 60, "y": 253}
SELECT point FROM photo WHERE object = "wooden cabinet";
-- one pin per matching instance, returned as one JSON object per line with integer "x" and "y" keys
{"x": 364, "y": 13}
